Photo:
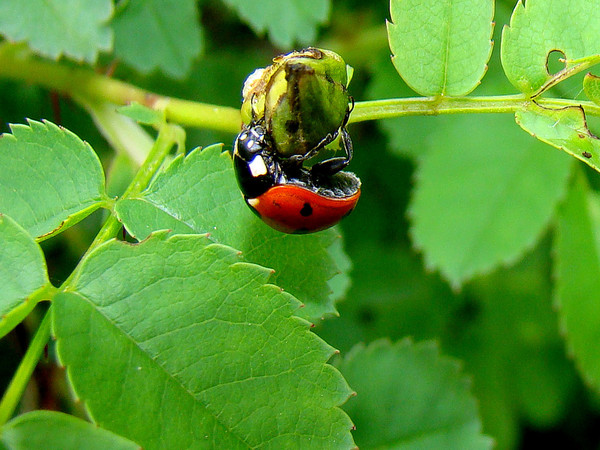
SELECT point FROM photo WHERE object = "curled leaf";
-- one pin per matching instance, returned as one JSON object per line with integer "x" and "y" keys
{"x": 563, "y": 128}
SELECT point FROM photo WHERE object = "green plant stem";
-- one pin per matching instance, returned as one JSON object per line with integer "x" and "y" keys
{"x": 432, "y": 106}
{"x": 17, "y": 385}
{"x": 95, "y": 88}
{"x": 167, "y": 136}
{"x": 18, "y": 65}
{"x": 125, "y": 135}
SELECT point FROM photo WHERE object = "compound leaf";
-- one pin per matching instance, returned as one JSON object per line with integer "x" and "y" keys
{"x": 286, "y": 21}
{"x": 410, "y": 397}
{"x": 75, "y": 28}
{"x": 171, "y": 37}
{"x": 441, "y": 47}
{"x": 49, "y": 178}
{"x": 174, "y": 342}
{"x": 577, "y": 271}
{"x": 477, "y": 206}
{"x": 199, "y": 194}
{"x": 538, "y": 27}
{"x": 55, "y": 430}
{"x": 22, "y": 273}
{"x": 563, "y": 128}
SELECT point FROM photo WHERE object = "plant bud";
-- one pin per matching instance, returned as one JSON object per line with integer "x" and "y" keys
{"x": 301, "y": 97}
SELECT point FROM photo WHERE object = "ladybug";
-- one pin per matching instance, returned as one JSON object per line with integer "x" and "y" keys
{"x": 293, "y": 208}
{"x": 287, "y": 196}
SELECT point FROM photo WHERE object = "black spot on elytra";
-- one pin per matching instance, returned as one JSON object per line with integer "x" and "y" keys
{"x": 306, "y": 210}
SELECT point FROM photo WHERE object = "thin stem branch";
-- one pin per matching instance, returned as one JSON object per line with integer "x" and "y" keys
{"x": 19, "y": 382}
{"x": 167, "y": 136}
{"x": 431, "y": 106}
{"x": 18, "y": 65}
{"x": 85, "y": 84}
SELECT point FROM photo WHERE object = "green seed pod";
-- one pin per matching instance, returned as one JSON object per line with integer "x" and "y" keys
{"x": 302, "y": 98}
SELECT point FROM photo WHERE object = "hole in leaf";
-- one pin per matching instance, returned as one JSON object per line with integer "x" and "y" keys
{"x": 555, "y": 62}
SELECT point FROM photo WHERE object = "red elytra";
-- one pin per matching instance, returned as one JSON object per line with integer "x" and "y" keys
{"x": 295, "y": 209}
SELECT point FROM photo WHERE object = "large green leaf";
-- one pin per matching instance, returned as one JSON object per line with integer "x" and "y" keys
{"x": 286, "y": 21}
{"x": 175, "y": 343}
{"x": 49, "y": 178}
{"x": 199, "y": 194}
{"x": 538, "y": 27}
{"x": 57, "y": 431}
{"x": 441, "y": 47}
{"x": 410, "y": 397}
{"x": 171, "y": 37}
{"x": 22, "y": 273}
{"x": 577, "y": 250}
{"x": 76, "y": 28}
{"x": 564, "y": 128}
{"x": 483, "y": 196}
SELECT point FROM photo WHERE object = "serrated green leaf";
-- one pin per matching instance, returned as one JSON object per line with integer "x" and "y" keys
{"x": 195, "y": 350}
{"x": 49, "y": 178}
{"x": 591, "y": 86}
{"x": 538, "y": 27}
{"x": 171, "y": 37}
{"x": 441, "y": 47}
{"x": 54, "y": 430}
{"x": 199, "y": 194}
{"x": 410, "y": 397}
{"x": 75, "y": 28}
{"x": 564, "y": 128}
{"x": 142, "y": 114}
{"x": 286, "y": 21}
{"x": 22, "y": 273}
{"x": 483, "y": 196}
{"x": 577, "y": 270}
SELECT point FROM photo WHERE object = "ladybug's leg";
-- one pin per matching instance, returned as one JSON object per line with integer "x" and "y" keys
{"x": 299, "y": 159}
{"x": 333, "y": 165}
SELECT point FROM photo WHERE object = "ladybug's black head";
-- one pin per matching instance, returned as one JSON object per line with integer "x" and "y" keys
{"x": 251, "y": 141}
{"x": 256, "y": 167}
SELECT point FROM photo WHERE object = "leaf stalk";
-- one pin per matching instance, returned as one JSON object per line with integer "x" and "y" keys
{"x": 19, "y": 382}
{"x": 87, "y": 86}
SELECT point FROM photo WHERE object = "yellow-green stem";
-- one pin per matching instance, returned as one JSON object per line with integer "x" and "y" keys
{"x": 77, "y": 81}
{"x": 431, "y": 106}
{"x": 17, "y": 385}
{"x": 84, "y": 83}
